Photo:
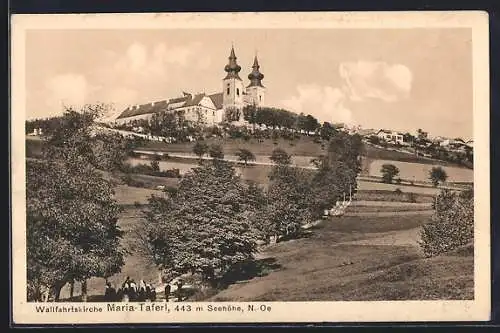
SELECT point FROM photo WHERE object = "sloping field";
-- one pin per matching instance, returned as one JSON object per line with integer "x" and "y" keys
{"x": 420, "y": 171}
{"x": 377, "y": 186}
{"x": 304, "y": 146}
{"x": 358, "y": 258}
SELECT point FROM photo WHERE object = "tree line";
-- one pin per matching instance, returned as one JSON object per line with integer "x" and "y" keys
{"x": 212, "y": 224}
{"x": 437, "y": 175}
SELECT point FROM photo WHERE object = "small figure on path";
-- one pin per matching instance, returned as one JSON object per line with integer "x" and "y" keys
{"x": 179, "y": 284}
{"x": 153, "y": 294}
{"x": 110, "y": 293}
{"x": 168, "y": 287}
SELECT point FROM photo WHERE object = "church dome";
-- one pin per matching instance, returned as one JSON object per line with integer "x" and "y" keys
{"x": 232, "y": 68}
{"x": 255, "y": 76}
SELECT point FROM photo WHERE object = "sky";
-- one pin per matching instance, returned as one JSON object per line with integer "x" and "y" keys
{"x": 400, "y": 79}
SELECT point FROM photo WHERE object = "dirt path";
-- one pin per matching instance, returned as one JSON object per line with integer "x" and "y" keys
{"x": 356, "y": 203}
{"x": 390, "y": 214}
{"x": 397, "y": 238}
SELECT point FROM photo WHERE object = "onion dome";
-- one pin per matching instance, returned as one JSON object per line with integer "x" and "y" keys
{"x": 232, "y": 68}
{"x": 255, "y": 76}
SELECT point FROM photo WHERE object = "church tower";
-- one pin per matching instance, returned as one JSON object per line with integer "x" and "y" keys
{"x": 255, "y": 91}
{"x": 232, "y": 85}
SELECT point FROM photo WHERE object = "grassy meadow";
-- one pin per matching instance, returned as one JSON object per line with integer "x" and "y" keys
{"x": 358, "y": 259}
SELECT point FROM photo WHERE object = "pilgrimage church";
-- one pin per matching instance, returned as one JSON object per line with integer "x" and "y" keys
{"x": 208, "y": 109}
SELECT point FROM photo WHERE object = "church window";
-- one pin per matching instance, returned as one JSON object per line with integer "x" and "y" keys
{"x": 260, "y": 98}
{"x": 238, "y": 91}
{"x": 228, "y": 90}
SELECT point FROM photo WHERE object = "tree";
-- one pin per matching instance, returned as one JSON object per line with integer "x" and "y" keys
{"x": 280, "y": 157}
{"x": 389, "y": 171}
{"x": 72, "y": 232}
{"x": 421, "y": 135}
{"x": 289, "y": 198}
{"x": 374, "y": 140}
{"x": 204, "y": 228}
{"x": 311, "y": 123}
{"x": 337, "y": 172}
{"x": 327, "y": 131}
{"x": 437, "y": 175}
{"x": 110, "y": 151}
{"x": 245, "y": 155}
{"x": 200, "y": 148}
{"x": 216, "y": 152}
{"x": 452, "y": 224}
{"x": 232, "y": 114}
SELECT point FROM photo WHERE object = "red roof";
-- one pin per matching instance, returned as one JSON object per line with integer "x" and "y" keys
{"x": 217, "y": 100}
{"x": 187, "y": 100}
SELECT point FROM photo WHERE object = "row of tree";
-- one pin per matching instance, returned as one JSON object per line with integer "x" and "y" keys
{"x": 274, "y": 117}
{"x": 389, "y": 171}
{"x": 214, "y": 221}
{"x": 173, "y": 124}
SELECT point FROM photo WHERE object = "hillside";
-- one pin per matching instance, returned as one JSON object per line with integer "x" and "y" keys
{"x": 357, "y": 258}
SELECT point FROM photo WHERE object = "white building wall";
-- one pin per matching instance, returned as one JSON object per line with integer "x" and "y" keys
{"x": 233, "y": 93}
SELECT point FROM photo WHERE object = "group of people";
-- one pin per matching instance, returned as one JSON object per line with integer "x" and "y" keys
{"x": 130, "y": 291}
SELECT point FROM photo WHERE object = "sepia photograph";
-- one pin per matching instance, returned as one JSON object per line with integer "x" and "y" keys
{"x": 248, "y": 167}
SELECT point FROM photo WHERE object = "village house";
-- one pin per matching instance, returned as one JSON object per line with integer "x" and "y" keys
{"x": 391, "y": 136}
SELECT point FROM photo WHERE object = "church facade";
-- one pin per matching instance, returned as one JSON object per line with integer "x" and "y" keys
{"x": 209, "y": 109}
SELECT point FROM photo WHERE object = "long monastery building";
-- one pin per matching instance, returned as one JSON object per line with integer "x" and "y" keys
{"x": 208, "y": 109}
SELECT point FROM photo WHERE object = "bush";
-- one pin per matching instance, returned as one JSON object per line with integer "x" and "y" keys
{"x": 171, "y": 190}
{"x": 437, "y": 175}
{"x": 398, "y": 191}
{"x": 389, "y": 171}
{"x": 128, "y": 180}
{"x": 452, "y": 225}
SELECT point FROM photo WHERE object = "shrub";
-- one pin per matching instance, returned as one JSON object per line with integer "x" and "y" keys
{"x": 281, "y": 157}
{"x": 398, "y": 191}
{"x": 171, "y": 190}
{"x": 437, "y": 175}
{"x": 452, "y": 225}
{"x": 128, "y": 180}
{"x": 389, "y": 171}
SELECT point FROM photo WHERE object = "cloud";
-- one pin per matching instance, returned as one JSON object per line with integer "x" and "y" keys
{"x": 69, "y": 89}
{"x": 141, "y": 72}
{"x": 324, "y": 102}
{"x": 379, "y": 80}
{"x": 361, "y": 81}
{"x": 159, "y": 59}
